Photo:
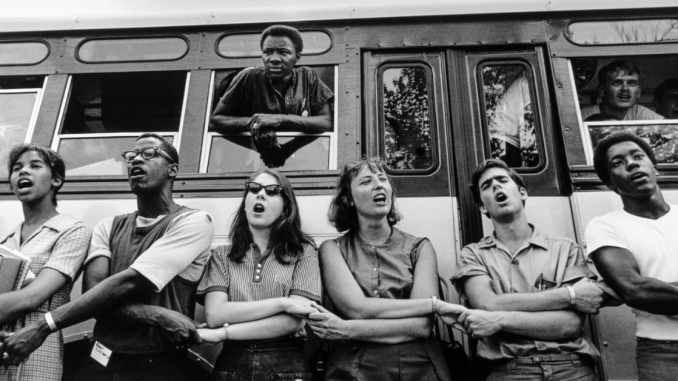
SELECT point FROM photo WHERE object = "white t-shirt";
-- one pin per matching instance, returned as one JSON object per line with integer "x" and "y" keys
{"x": 183, "y": 250}
{"x": 654, "y": 245}
{"x": 510, "y": 112}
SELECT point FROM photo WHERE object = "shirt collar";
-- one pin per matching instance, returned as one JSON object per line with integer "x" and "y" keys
{"x": 537, "y": 239}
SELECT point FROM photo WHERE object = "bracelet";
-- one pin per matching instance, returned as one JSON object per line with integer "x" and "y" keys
{"x": 434, "y": 304}
{"x": 573, "y": 296}
{"x": 50, "y": 322}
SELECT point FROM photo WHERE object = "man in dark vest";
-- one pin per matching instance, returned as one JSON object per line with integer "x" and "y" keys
{"x": 140, "y": 280}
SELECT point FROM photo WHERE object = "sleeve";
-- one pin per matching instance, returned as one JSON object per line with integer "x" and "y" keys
{"x": 306, "y": 278}
{"x": 319, "y": 92}
{"x": 187, "y": 240}
{"x": 471, "y": 264}
{"x": 237, "y": 98}
{"x": 216, "y": 276}
{"x": 416, "y": 250}
{"x": 600, "y": 233}
{"x": 70, "y": 250}
{"x": 100, "y": 244}
{"x": 576, "y": 268}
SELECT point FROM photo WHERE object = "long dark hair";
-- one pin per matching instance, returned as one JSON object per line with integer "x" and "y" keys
{"x": 287, "y": 239}
{"x": 342, "y": 214}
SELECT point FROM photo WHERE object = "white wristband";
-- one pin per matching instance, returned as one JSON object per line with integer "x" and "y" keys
{"x": 573, "y": 296}
{"x": 50, "y": 322}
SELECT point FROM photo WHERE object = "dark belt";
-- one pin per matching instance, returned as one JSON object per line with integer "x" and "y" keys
{"x": 269, "y": 344}
{"x": 575, "y": 359}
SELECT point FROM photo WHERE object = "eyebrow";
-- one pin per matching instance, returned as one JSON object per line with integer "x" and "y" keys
{"x": 497, "y": 177}
{"x": 631, "y": 152}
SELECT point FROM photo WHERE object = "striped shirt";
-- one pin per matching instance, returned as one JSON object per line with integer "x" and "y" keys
{"x": 261, "y": 277}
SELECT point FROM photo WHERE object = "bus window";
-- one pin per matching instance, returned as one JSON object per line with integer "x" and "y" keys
{"x": 130, "y": 49}
{"x": 509, "y": 114}
{"x": 19, "y": 102}
{"x": 242, "y": 45}
{"x": 105, "y": 113}
{"x": 615, "y": 32}
{"x": 23, "y": 53}
{"x": 662, "y": 136}
{"x": 237, "y": 152}
{"x": 406, "y": 117}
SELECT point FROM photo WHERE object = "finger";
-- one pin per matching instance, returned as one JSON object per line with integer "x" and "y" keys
{"x": 320, "y": 308}
{"x": 462, "y": 318}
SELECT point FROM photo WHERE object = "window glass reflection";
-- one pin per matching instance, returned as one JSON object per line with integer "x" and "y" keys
{"x": 16, "y": 110}
{"x": 132, "y": 49}
{"x": 662, "y": 138}
{"x": 247, "y": 45}
{"x": 622, "y": 32}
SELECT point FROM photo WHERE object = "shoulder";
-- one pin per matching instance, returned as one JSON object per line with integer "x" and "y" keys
{"x": 305, "y": 70}
{"x": 611, "y": 219}
{"x": 250, "y": 72}
{"x": 642, "y": 112}
{"x": 193, "y": 217}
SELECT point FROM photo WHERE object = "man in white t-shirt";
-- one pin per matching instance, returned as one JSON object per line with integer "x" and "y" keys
{"x": 636, "y": 250}
{"x": 140, "y": 280}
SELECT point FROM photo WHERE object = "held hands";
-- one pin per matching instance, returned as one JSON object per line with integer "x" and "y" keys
{"x": 327, "y": 325}
{"x": 18, "y": 346}
{"x": 179, "y": 329}
{"x": 211, "y": 336}
{"x": 299, "y": 307}
{"x": 589, "y": 297}
{"x": 481, "y": 323}
{"x": 262, "y": 127}
{"x": 450, "y": 313}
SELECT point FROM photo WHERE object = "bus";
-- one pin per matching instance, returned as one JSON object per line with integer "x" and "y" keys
{"x": 426, "y": 86}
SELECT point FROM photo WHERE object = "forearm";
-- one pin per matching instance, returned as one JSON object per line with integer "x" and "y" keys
{"x": 651, "y": 295}
{"x": 229, "y": 124}
{"x": 132, "y": 315}
{"x": 267, "y": 328}
{"x": 389, "y": 331}
{"x": 547, "y": 325}
{"x": 308, "y": 125}
{"x": 15, "y": 305}
{"x": 550, "y": 300}
{"x": 241, "y": 312}
{"x": 383, "y": 308}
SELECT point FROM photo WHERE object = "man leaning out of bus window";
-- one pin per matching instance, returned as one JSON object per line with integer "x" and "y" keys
{"x": 635, "y": 250}
{"x": 278, "y": 96}
{"x": 619, "y": 91}
{"x": 530, "y": 291}
{"x": 140, "y": 280}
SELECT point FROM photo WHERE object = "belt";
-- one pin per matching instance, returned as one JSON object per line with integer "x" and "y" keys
{"x": 575, "y": 359}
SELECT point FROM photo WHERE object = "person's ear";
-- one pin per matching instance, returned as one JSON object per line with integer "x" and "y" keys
{"x": 601, "y": 91}
{"x": 56, "y": 182}
{"x": 523, "y": 193}
{"x": 483, "y": 209}
{"x": 298, "y": 57}
{"x": 173, "y": 170}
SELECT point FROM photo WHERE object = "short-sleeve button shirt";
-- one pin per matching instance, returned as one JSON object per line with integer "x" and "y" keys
{"x": 543, "y": 260}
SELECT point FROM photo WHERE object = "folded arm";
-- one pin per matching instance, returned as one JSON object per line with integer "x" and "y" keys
{"x": 19, "y": 303}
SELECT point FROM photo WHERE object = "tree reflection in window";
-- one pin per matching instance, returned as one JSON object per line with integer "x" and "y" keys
{"x": 509, "y": 115}
{"x": 662, "y": 138}
{"x": 407, "y": 120}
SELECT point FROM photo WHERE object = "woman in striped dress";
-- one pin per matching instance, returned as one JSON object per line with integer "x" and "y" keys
{"x": 57, "y": 245}
{"x": 258, "y": 289}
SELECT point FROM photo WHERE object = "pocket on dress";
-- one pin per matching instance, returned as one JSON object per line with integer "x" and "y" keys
{"x": 293, "y": 377}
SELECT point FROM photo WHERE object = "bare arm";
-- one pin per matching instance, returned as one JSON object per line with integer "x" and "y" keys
{"x": 349, "y": 299}
{"x": 621, "y": 272}
{"x": 219, "y": 311}
{"x": 17, "y": 304}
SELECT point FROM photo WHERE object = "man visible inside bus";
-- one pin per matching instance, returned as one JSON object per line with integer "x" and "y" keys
{"x": 140, "y": 280}
{"x": 513, "y": 111}
{"x": 635, "y": 249}
{"x": 666, "y": 98}
{"x": 278, "y": 96}
{"x": 584, "y": 69}
{"x": 529, "y": 290}
{"x": 619, "y": 90}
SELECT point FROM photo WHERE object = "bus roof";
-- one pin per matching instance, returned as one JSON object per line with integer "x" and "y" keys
{"x": 49, "y": 15}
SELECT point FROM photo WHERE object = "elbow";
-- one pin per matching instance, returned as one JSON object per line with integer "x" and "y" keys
{"x": 571, "y": 330}
{"x": 633, "y": 295}
{"x": 422, "y": 328}
{"x": 212, "y": 319}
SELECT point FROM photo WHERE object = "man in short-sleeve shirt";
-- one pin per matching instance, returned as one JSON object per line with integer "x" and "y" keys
{"x": 528, "y": 290}
{"x": 140, "y": 279}
{"x": 636, "y": 251}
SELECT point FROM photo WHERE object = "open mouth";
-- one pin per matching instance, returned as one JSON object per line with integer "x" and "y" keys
{"x": 136, "y": 171}
{"x": 625, "y": 97}
{"x": 637, "y": 176}
{"x": 24, "y": 183}
{"x": 258, "y": 208}
{"x": 500, "y": 197}
{"x": 381, "y": 198}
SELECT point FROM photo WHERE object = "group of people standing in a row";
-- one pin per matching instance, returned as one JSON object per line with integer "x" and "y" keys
{"x": 144, "y": 271}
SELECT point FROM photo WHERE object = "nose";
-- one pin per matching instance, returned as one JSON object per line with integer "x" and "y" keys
{"x": 631, "y": 164}
{"x": 137, "y": 158}
{"x": 625, "y": 85}
{"x": 275, "y": 57}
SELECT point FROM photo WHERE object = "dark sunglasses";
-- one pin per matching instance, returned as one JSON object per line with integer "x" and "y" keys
{"x": 146, "y": 153}
{"x": 255, "y": 188}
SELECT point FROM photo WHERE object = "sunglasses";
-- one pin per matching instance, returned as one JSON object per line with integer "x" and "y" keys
{"x": 146, "y": 153}
{"x": 255, "y": 188}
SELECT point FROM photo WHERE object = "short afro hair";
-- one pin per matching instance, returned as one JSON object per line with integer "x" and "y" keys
{"x": 52, "y": 159}
{"x": 165, "y": 145}
{"x": 600, "y": 154}
{"x": 284, "y": 31}
{"x": 484, "y": 166}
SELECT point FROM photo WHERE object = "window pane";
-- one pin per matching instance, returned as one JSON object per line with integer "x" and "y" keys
{"x": 247, "y": 45}
{"x": 125, "y": 102}
{"x": 407, "y": 118}
{"x": 22, "y": 53}
{"x": 509, "y": 116}
{"x": 662, "y": 138}
{"x": 96, "y": 156}
{"x": 15, "y": 115}
{"x": 236, "y": 154}
{"x": 132, "y": 49}
{"x": 622, "y": 32}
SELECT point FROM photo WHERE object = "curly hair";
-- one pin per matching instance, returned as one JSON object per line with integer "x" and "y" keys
{"x": 342, "y": 214}
{"x": 600, "y": 154}
{"x": 284, "y": 31}
{"x": 51, "y": 158}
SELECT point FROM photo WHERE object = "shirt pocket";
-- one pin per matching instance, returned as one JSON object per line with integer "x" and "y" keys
{"x": 282, "y": 285}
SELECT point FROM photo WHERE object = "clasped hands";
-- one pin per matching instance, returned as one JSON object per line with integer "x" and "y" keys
{"x": 262, "y": 127}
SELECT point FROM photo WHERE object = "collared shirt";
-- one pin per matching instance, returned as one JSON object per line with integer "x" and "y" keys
{"x": 542, "y": 260}
{"x": 260, "y": 277}
{"x": 251, "y": 92}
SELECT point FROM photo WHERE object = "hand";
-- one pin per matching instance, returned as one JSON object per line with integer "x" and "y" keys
{"x": 328, "y": 325}
{"x": 263, "y": 126}
{"x": 611, "y": 299}
{"x": 481, "y": 323}
{"x": 266, "y": 140}
{"x": 178, "y": 328}
{"x": 211, "y": 336}
{"x": 21, "y": 344}
{"x": 300, "y": 308}
{"x": 449, "y": 313}
{"x": 588, "y": 296}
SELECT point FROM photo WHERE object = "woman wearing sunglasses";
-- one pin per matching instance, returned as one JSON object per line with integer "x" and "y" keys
{"x": 258, "y": 289}
{"x": 57, "y": 245}
{"x": 383, "y": 283}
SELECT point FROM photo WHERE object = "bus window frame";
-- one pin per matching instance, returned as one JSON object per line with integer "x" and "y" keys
{"x": 381, "y": 122}
{"x": 626, "y": 19}
{"x": 208, "y": 135}
{"x": 536, "y": 110}
{"x": 41, "y": 41}
{"x": 76, "y": 51}
{"x": 258, "y": 32}
{"x": 58, "y": 136}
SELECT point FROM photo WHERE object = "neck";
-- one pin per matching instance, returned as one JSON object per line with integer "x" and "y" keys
{"x": 514, "y": 232}
{"x": 374, "y": 231}
{"x": 261, "y": 238}
{"x": 282, "y": 83}
{"x": 652, "y": 207}
{"x": 616, "y": 112}
{"x": 152, "y": 205}
{"x": 39, "y": 212}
